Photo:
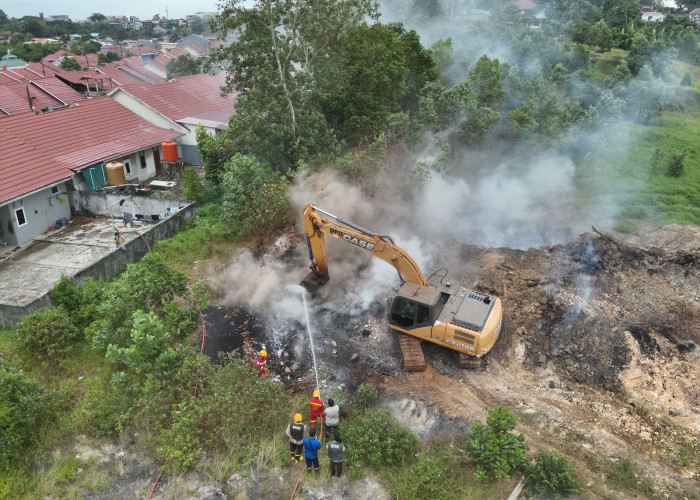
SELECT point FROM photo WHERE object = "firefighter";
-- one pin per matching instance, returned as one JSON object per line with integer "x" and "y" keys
{"x": 295, "y": 432}
{"x": 260, "y": 364}
{"x": 316, "y": 408}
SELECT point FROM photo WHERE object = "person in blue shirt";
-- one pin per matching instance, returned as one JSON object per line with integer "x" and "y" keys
{"x": 311, "y": 447}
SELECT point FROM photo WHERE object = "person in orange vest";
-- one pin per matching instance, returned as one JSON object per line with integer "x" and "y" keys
{"x": 316, "y": 408}
{"x": 260, "y": 364}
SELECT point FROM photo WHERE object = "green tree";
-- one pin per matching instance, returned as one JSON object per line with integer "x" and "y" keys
{"x": 70, "y": 64}
{"x": 183, "y": 65}
{"x": 498, "y": 452}
{"x": 522, "y": 118}
{"x": 488, "y": 93}
{"x": 443, "y": 56}
{"x": 255, "y": 197}
{"x": 104, "y": 58}
{"x": 97, "y": 17}
{"x": 282, "y": 54}
{"x": 148, "y": 354}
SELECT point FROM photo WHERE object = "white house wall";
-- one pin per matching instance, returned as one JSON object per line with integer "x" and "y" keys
{"x": 146, "y": 112}
{"x": 41, "y": 211}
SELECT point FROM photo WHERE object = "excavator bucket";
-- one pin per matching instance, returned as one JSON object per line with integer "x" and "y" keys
{"x": 313, "y": 281}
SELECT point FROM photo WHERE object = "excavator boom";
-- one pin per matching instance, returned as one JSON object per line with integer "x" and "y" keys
{"x": 318, "y": 223}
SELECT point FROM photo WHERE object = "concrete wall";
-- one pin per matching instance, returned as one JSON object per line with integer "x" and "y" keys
{"x": 41, "y": 210}
{"x": 133, "y": 250}
{"x": 107, "y": 205}
{"x": 10, "y": 315}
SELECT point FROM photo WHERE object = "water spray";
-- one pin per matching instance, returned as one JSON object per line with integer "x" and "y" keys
{"x": 311, "y": 337}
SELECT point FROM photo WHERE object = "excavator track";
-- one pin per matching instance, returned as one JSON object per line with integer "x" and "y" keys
{"x": 470, "y": 362}
{"x": 413, "y": 359}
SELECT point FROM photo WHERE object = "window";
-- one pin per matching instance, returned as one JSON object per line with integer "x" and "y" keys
{"x": 403, "y": 312}
{"x": 423, "y": 313}
{"x": 142, "y": 158}
{"x": 54, "y": 190}
{"x": 127, "y": 167}
{"x": 21, "y": 219}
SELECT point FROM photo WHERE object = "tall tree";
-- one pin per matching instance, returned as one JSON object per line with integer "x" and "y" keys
{"x": 183, "y": 65}
{"x": 277, "y": 53}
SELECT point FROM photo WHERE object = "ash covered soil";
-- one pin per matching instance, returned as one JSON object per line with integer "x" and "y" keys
{"x": 598, "y": 354}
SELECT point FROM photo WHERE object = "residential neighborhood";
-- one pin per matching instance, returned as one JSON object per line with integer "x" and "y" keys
{"x": 65, "y": 132}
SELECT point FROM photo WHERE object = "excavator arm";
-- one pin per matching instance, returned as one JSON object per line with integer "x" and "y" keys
{"x": 318, "y": 223}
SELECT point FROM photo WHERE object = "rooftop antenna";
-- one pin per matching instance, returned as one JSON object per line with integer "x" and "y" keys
{"x": 166, "y": 12}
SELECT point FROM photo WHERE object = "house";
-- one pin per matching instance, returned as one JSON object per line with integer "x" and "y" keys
{"x": 50, "y": 158}
{"x": 695, "y": 16}
{"x": 652, "y": 16}
{"x": 31, "y": 71}
{"x": 181, "y": 105}
{"x": 197, "y": 45}
{"x": 10, "y": 60}
{"x": 36, "y": 96}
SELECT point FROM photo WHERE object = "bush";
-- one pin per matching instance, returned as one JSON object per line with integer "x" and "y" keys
{"x": 675, "y": 166}
{"x": 552, "y": 474}
{"x": 376, "y": 440}
{"x": 428, "y": 477}
{"x": 365, "y": 396}
{"x": 24, "y": 406}
{"x": 222, "y": 408}
{"x": 686, "y": 81}
{"x": 497, "y": 452}
{"x": 46, "y": 332}
{"x": 80, "y": 301}
{"x": 194, "y": 189}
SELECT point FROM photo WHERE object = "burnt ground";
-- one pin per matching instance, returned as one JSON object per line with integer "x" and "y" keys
{"x": 598, "y": 356}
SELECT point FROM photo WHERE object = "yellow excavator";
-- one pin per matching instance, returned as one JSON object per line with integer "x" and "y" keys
{"x": 463, "y": 320}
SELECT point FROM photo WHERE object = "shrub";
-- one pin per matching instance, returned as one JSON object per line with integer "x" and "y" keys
{"x": 375, "y": 439}
{"x": 255, "y": 196}
{"x": 194, "y": 189}
{"x": 497, "y": 452}
{"x": 687, "y": 80}
{"x": 80, "y": 301}
{"x": 46, "y": 332}
{"x": 24, "y": 406}
{"x": 675, "y": 165}
{"x": 552, "y": 474}
{"x": 148, "y": 355}
{"x": 226, "y": 397}
{"x": 366, "y": 396}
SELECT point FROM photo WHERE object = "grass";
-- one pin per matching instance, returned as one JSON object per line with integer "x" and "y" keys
{"x": 677, "y": 69}
{"x": 603, "y": 64}
{"x": 619, "y": 178}
{"x": 625, "y": 474}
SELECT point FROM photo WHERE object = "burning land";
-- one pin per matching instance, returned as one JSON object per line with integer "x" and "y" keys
{"x": 597, "y": 357}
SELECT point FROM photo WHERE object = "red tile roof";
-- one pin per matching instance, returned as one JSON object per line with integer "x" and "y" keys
{"x": 44, "y": 92}
{"x": 39, "y": 150}
{"x": 185, "y": 96}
